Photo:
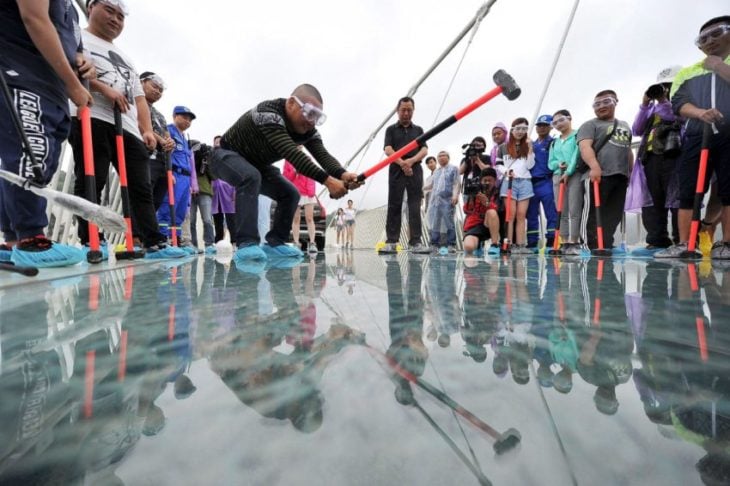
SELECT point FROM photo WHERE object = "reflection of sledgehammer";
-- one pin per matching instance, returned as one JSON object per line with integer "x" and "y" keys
{"x": 503, "y": 442}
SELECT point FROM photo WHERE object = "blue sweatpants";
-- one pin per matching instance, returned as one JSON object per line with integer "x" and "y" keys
{"x": 22, "y": 213}
{"x": 182, "y": 204}
{"x": 543, "y": 190}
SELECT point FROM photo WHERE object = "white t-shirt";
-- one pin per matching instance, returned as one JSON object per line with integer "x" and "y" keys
{"x": 113, "y": 68}
{"x": 521, "y": 166}
{"x": 349, "y": 214}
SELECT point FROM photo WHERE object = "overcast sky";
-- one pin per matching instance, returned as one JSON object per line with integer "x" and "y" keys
{"x": 221, "y": 57}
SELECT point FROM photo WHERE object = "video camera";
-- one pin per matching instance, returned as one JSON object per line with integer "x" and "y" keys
{"x": 202, "y": 153}
{"x": 471, "y": 151}
{"x": 473, "y": 186}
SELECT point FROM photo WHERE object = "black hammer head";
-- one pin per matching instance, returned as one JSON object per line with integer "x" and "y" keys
{"x": 509, "y": 87}
{"x": 507, "y": 441}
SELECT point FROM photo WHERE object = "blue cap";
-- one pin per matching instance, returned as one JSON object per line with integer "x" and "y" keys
{"x": 544, "y": 120}
{"x": 183, "y": 110}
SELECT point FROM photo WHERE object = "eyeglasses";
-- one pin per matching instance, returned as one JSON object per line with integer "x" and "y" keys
{"x": 520, "y": 128}
{"x": 559, "y": 120}
{"x": 604, "y": 102}
{"x": 713, "y": 33}
{"x": 310, "y": 112}
{"x": 156, "y": 81}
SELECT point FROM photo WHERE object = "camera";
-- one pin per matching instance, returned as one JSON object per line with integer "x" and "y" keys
{"x": 471, "y": 151}
{"x": 473, "y": 186}
{"x": 656, "y": 91}
{"x": 202, "y": 153}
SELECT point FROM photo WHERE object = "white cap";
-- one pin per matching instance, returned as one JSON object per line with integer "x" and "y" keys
{"x": 667, "y": 74}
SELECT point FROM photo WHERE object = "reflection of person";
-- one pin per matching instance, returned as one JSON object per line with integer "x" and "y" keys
{"x": 405, "y": 322}
{"x": 606, "y": 346}
{"x": 700, "y": 388}
{"x": 441, "y": 286}
{"x": 39, "y": 47}
{"x": 263, "y": 135}
{"x": 479, "y": 319}
{"x": 275, "y": 384}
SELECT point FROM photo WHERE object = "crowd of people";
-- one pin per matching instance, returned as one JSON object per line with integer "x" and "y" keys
{"x": 167, "y": 179}
{"x": 170, "y": 179}
{"x": 505, "y": 190}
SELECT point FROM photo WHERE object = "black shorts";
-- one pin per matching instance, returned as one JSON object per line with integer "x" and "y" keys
{"x": 480, "y": 231}
{"x": 718, "y": 162}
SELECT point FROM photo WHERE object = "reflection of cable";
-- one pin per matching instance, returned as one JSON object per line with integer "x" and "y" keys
{"x": 552, "y": 425}
{"x": 453, "y": 413}
{"x": 475, "y": 470}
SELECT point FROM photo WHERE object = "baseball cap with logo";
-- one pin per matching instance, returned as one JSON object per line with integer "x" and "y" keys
{"x": 544, "y": 120}
{"x": 183, "y": 110}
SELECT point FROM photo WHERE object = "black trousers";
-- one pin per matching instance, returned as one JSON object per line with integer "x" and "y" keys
{"x": 158, "y": 181}
{"x": 659, "y": 171}
{"x": 220, "y": 222}
{"x": 144, "y": 219}
{"x": 398, "y": 184}
{"x": 612, "y": 191}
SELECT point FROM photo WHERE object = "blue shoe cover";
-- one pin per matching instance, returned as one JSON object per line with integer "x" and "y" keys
{"x": 157, "y": 253}
{"x": 250, "y": 252}
{"x": 58, "y": 255}
{"x": 281, "y": 251}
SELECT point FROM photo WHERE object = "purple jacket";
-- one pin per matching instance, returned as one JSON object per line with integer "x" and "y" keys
{"x": 646, "y": 113}
{"x": 224, "y": 197}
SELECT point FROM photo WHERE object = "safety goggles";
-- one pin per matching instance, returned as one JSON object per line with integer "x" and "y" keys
{"x": 157, "y": 82}
{"x": 119, "y": 4}
{"x": 310, "y": 112}
{"x": 713, "y": 33}
{"x": 561, "y": 119}
{"x": 604, "y": 102}
{"x": 520, "y": 128}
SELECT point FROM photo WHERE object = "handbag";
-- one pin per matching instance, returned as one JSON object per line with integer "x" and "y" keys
{"x": 637, "y": 194}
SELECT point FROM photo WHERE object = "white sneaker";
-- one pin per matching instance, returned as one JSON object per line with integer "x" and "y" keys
{"x": 312, "y": 248}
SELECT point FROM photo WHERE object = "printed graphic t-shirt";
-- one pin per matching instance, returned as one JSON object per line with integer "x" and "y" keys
{"x": 114, "y": 69}
{"x": 614, "y": 155}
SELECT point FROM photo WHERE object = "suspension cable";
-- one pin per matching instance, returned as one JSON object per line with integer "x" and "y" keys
{"x": 555, "y": 63}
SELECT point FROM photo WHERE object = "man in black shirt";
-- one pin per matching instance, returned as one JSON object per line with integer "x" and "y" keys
{"x": 405, "y": 175}
{"x": 269, "y": 132}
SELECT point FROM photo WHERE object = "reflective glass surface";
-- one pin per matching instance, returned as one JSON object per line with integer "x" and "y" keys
{"x": 354, "y": 368}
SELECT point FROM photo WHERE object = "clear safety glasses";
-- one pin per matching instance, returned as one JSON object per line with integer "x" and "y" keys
{"x": 709, "y": 34}
{"x": 310, "y": 112}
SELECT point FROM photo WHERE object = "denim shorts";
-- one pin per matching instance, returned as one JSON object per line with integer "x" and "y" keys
{"x": 521, "y": 189}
